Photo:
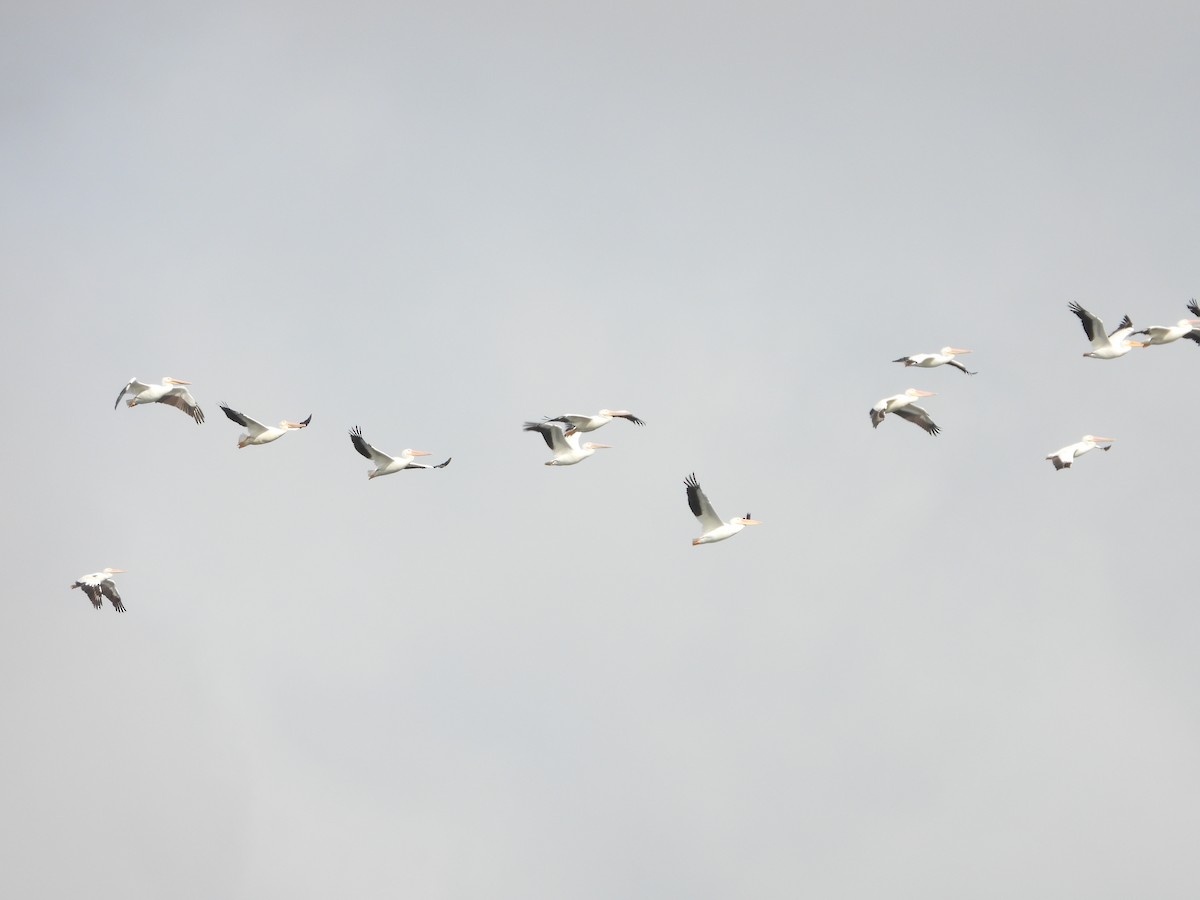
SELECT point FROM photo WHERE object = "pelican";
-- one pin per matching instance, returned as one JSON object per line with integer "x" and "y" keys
{"x": 257, "y": 432}
{"x": 171, "y": 391}
{"x": 1063, "y": 458}
{"x": 1110, "y": 347}
{"x": 567, "y": 450}
{"x": 1167, "y": 334}
{"x": 929, "y": 360}
{"x": 101, "y": 583}
{"x": 904, "y": 406}
{"x": 591, "y": 423}
{"x": 714, "y": 529}
{"x": 386, "y": 465}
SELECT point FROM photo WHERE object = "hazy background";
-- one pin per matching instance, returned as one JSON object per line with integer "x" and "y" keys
{"x": 940, "y": 670}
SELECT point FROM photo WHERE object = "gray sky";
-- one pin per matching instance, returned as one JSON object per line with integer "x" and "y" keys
{"x": 941, "y": 669}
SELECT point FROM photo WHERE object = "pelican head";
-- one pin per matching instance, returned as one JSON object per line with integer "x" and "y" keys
{"x": 1097, "y": 440}
{"x": 953, "y": 351}
{"x": 286, "y": 424}
{"x": 913, "y": 392}
{"x": 615, "y": 412}
{"x": 593, "y": 446}
{"x": 170, "y": 380}
{"x": 411, "y": 453}
{"x": 746, "y": 520}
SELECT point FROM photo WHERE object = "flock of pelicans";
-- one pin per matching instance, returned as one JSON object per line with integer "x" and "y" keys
{"x": 561, "y": 433}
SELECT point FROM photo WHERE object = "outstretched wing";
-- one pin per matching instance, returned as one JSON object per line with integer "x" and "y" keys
{"x": 251, "y": 425}
{"x": 918, "y": 416}
{"x": 110, "y": 591}
{"x": 181, "y": 398}
{"x": 1092, "y": 326}
{"x": 1122, "y": 331}
{"x": 92, "y": 591}
{"x": 700, "y": 506}
{"x": 1194, "y": 309}
{"x": 139, "y": 387}
{"x": 552, "y": 434}
{"x": 356, "y": 438}
{"x": 572, "y": 420}
{"x": 959, "y": 366}
{"x": 628, "y": 416}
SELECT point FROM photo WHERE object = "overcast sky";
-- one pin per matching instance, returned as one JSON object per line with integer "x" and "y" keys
{"x": 940, "y": 669}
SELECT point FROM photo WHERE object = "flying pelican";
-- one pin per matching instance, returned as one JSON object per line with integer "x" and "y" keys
{"x": 1063, "y": 458}
{"x": 257, "y": 432}
{"x": 929, "y": 360}
{"x": 1184, "y": 328}
{"x": 714, "y": 529}
{"x": 567, "y": 450}
{"x": 1110, "y": 347}
{"x": 171, "y": 391}
{"x": 591, "y": 423}
{"x": 904, "y": 406}
{"x": 386, "y": 465}
{"x": 101, "y": 583}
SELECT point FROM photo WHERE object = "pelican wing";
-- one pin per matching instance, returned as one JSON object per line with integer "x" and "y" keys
{"x": 253, "y": 426}
{"x": 1122, "y": 331}
{"x": 1193, "y": 335}
{"x": 91, "y": 590}
{"x": 918, "y": 416}
{"x": 181, "y": 398}
{"x": 576, "y": 421}
{"x": 1063, "y": 458}
{"x": 630, "y": 417}
{"x": 1092, "y": 326}
{"x": 136, "y": 387}
{"x": 959, "y": 366}
{"x": 553, "y": 435}
{"x": 356, "y": 438}
{"x": 1194, "y": 309}
{"x": 110, "y": 591}
{"x": 700, "y": 506}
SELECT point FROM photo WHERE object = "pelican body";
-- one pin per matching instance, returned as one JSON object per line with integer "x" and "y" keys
{"x": 386, "y": 465}
{"x": 576, "y": 423}
{"x": 930, "y": 360}
{"x": 100, "y": 584}
{"x": 714, "y": 529}
{"x": 258, "y": 433}
{"x": 1063, "y": 458}
{"x": 1168, "y": 334}
{"x": 904, "y": 406}
{"x": 565, "y": 445}
{"x": 1104, "y": 346}
{"x": 171, "y": 392}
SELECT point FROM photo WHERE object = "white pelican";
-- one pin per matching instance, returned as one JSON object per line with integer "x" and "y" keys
{"x": 257, "y": 432}
{"x": 904, "y": 406}
{"x": 1063, "y": 458}
{"x": 1184, "y": 328}
{"x": 929, "y": 360}
{"x": 171, "y": 391}
{"x": 591, "y": 423}
{"x": 101, "y": 583}
{"x": 567, "y": 450}
{"x": 1110, "y": 347}
{"x": 714, "y": 529}
{"x": 386, "y": 465}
